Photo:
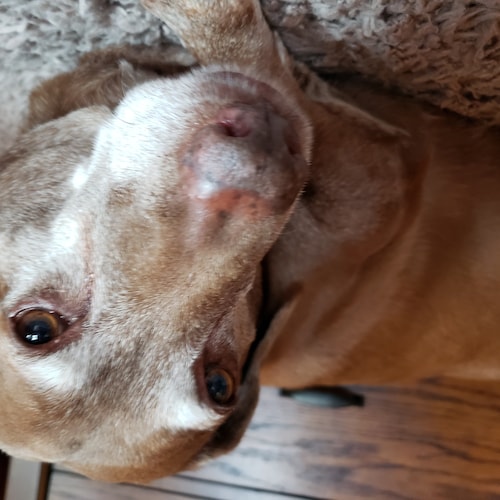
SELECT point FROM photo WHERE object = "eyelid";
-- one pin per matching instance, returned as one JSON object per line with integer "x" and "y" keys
{"x": 228, "y": 378}
{"x": 69, "y": 335}
{"x": 217, "y": 354}
{"x": 72, "y": 313}
{"x": 24, "y": 317}
{"x": 200, "y": 370}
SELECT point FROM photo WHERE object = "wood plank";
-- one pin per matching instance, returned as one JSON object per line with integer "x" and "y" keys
{"x": 437, "y": 440}
{"x": 213, "y": 489}
{"x": 66, "y": 486}
{"x": 69, "y": 486}
{"x": 440, "y": 440}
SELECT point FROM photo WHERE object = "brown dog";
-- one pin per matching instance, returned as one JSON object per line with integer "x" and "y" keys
{"x": 143, "y": 245}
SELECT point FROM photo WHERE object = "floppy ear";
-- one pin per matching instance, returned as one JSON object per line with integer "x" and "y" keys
{"x": 363, "y": 194}
{"x": 364, "y": 184}
{"x": 363, "y": 190}
{"x": 101, "y": 78}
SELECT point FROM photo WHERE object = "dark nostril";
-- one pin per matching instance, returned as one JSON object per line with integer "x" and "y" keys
{"x": 235, "y": 128}
{"x": 292, "y": 142}
{"x": 293, "y": 149}
{"x": 240, "y": 120}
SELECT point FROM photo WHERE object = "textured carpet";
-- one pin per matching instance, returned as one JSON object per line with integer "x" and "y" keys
{"x": 446, "y": 52}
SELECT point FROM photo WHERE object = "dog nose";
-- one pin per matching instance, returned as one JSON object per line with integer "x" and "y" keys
{"x": 248, "y": 156}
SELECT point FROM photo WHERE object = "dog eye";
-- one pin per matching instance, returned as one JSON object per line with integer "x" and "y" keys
{"x": 38, "y": 326}
{"x": 220, "y": 386}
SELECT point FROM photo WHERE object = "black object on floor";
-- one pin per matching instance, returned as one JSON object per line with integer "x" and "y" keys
{"x": 328, "y": 397}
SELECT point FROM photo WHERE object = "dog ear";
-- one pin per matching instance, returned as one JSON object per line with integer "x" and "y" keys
{"x": 363, "y": 194}
{"x": 364, "y": 189}
{"x": 101, "y": 78}
{"x": 365, "y": 181}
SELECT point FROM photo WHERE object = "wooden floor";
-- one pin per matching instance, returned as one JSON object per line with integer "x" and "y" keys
{"x": 440, "y": 440}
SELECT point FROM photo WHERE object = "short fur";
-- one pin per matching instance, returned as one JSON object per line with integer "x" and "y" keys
{"x": 356, "y": 229}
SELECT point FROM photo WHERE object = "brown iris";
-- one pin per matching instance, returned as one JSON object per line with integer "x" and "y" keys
{"x": 220, "y": 386}
{"x": 38, "y": 326}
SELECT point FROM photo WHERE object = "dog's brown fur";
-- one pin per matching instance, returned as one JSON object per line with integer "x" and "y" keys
{"x": 385, "y": 268}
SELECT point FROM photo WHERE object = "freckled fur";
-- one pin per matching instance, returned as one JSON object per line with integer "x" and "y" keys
{"x": 385, "y": 269}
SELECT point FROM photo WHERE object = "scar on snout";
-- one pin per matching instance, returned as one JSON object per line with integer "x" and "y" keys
{"x": 121, "y": 196}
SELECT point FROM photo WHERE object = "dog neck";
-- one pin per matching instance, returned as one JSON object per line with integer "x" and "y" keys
{"x": 361, "y": 202}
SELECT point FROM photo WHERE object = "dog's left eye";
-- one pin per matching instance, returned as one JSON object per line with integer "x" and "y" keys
{"x": 220, "y": 386}
{"x": 38, "y": 326}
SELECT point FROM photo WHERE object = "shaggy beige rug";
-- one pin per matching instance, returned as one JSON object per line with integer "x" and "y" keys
{"x": 446, "y": 52}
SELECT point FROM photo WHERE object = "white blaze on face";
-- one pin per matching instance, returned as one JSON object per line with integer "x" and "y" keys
{"x": 121, "y": 164}
{"x": 144, "y": 130}
{"x": 80, "y": 177}
{"x": 137, "y": 106}
{"x": 65, "y": 232}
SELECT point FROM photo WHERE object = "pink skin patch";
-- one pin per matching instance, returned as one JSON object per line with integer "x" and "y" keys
{"x": 235, "y": 122}
{"x": 244, "y": 163}
{"x": 238, "y": 123}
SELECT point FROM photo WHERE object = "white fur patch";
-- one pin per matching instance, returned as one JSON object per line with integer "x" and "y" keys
{"x": 65, "y": 232}
{"x": 139, "y": 104}
{"x": 179, "y": 407}
{"x": 54, "y": 374}
{"x": 80, "y": 177}
{"x": 121, "y": 168}
{"x": 185, "y": 412}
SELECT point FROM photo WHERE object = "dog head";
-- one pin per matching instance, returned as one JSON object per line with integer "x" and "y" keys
{"x": 130, "y": 245}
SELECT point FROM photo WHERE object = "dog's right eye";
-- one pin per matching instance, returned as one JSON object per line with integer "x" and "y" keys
{"x": 220, "y": 386}
{"x": 38, "y": 326}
